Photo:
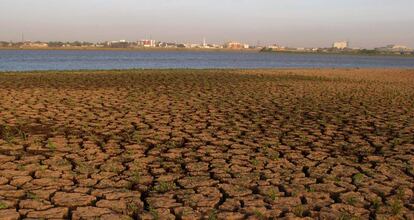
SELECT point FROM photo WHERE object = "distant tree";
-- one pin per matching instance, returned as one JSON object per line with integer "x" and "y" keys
{"x": 76, "y": 44}
{"x": 55, "y": 44}
{"x": 368, "y": 52}
{"x": 265, "y": 49}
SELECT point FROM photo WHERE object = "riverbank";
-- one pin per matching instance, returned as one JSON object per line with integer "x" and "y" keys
{"x": 340, "y": 53}
{"x": 132, "y": 49}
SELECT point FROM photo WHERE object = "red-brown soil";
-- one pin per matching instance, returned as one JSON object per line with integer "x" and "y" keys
{"x": 207, "y": 144}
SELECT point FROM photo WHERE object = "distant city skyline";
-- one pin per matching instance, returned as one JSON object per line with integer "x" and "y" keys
{"x": 299, "y": 23}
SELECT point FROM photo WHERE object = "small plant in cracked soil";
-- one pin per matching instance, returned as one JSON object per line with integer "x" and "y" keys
{"x": 347, "y": 216}
{"x": 50, "y": 145}
{"x": 358, "y": 178}
{"x": 163, "y": 187}
{"x": 258, "y": 214}
{"x": 351, "y": 200}
{"x": 207, "y": 144}
{"x": 31, "y": 195}
{"x": 376, "y": 204}
{"x": 3, "y": 206}
{"x": 396, "y": 207}
{"x": 212, "y": 215}
{"x": 135, "y": 177}
{"x": 272, "y": 194}
{"x": 299, "y": 211}
{"x": 9, "y": 134}
{"x": 154, "y": 213}
{"x": 133, "y": 208}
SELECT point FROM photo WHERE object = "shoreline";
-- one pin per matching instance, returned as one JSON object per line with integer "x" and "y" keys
{"x": 134, "y": 49}
{"x": 336, "y": 53}
{"x": 294, "y": 69}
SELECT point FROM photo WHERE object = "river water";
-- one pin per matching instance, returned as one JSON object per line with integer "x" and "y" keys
{"x": 26, "y": 60}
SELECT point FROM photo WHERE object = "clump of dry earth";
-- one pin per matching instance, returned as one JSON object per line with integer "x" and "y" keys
{"x": 207, "y": 144}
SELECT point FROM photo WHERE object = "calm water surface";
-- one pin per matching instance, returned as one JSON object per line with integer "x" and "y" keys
{"x": 24, "y": 60}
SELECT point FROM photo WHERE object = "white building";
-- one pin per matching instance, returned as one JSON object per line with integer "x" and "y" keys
{"x": 340, "y": 45}
{"x": 146, "y": 43}
{"x": 236, "y": 45}
{"x": 395, "y": 48}
{"x": 191, "y": 45}
{"x": 276, "y": 47}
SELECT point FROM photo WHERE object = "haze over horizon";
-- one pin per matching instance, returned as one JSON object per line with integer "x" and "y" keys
{"x": 298, "y": 23}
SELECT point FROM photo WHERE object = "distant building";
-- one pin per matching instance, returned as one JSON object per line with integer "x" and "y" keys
{"x": 167, "y": 45}
{"x": 236, "y": 45}
{"x": 191, "y": 45}
{"x": 118, "y": 44}
{"x": 214, "y": 46}
{"x": 35, "y": 45}
{"x": 394, "y": 48}
{"x": 146, "y": 43}
{"x": 205, "y": 43}
{"x": 340, "y": 45}
{"x": 276, "y": 47}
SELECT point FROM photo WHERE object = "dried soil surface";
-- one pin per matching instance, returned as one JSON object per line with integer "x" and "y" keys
{"x": 207, "y": 144}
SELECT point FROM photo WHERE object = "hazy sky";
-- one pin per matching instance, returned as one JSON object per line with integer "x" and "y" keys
{"x": 299, "y": 23}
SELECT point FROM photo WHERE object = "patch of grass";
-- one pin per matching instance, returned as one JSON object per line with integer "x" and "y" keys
{"x": 85, "y": 168}
{"x": 358, "y": 178}
{"x": 258, "y": 214}
{"x": 400, "y": 193}
{"x": 376, "y": 204}
{"x": 3, "y": 206}
{"x": 135, "y": 179}
{"x": 346, "y": 216}
{"x": 163, "y": 187}
{"x": 132, "y": 207}
{"x": 115, "y": 169}
{"x": 23, "y": 135}
{"x": 63, "y": 162}
{"x": 272, "y": 194}
{"x": 396, "y": 207}
{"x": 21, "y": 167}
{"x": 31, "y": 195}
{"x": 43, "y": 167}
{"x": 351, "y": 200}
{"x": 396, "y": 141}
{"x": 136, "y": 137}
{"x": 212, "y": 215}
{"x": 299, "y": 211}
{"x": 154, "y": 213}
{"x": 7, "y": 134}
{"x": 254, "y": 162}
{"x": 172, "y": 144}
{"x": 409, "y": 169}
{"x": 50, "y": 145}
{"x": 274, "y": 155}
{"x": 269, "y": 152}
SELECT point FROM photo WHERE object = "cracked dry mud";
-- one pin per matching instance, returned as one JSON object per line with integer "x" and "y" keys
{"x": 207, "y": 144}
